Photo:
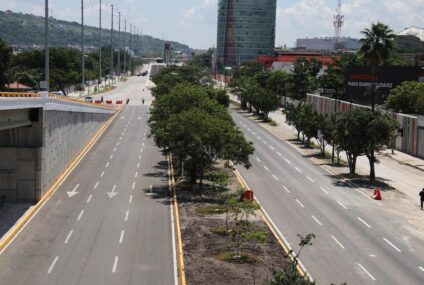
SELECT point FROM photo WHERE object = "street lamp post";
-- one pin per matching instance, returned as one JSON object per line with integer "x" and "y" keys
{"x": 119, "y": 45}
{"x": 82, "y": 46}
{"x": 100, "y": 44}
{"x": 125, "y": 48}
{"x": 111, "y": 45}
{"x": 46, "y": 48}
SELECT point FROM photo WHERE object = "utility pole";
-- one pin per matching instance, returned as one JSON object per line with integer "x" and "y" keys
{"x": 100, "y": 43}
{"x": 111, "y": 45}
{"x": 125, "y": 47}
{"x": 82, "y": 46}
{"x": 46, "y": 48}
{"x": 119, "y": 44}
{"x": 131, "y": 28}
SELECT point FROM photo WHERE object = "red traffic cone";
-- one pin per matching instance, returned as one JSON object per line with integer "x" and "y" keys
{"x": 377, "y": 194}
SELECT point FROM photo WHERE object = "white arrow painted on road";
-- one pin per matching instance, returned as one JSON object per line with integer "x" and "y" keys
{"x": 73, "y": 192}
{"x": 113, "y": 193}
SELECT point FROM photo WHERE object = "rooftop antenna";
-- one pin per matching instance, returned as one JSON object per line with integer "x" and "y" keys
{"x": 338, "y": 23}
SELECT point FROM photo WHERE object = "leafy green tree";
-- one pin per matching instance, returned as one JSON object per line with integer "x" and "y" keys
{"x": 248, "y": 69}
{"x": 5, "y": 57}
{"x": 220, "y": 95}
{"x": 203, "y": 60}
{"x": 303, "y": 78}
{"x": 325, "y": 131}
{"x": 407, "y": 98}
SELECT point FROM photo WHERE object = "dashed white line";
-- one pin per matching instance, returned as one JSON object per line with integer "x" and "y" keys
{"x": 279, "y": 153}
{"x": 339, "y": 243}
{"x": 52, "y": 265}
{"x": 120, "y": 138}
{"x": 275, "y": 177}
{"x": 68, "y": 236}
{"x": 257, "y": 158}
{"x": 287, "y": 189}
{"x": 142, "y": 145}
{"x": 138, "y": 164}
{"x": 259, "y": 137}
{"x": 121, "y": 238}
{"x": 114, "y": 149}
{"x": 341, "y": 204}
{"x": 103, "y": 173}
{"x": 323, "y": 189}
{"x": 271, "y": 147}
{"x": 115, "y": 264}
{"x": 130, "y": 200}
{"x": 301, "y": 205}
{"x": 89, "y": 198}
{"x": 136, "y": 174}
{"x": 366, "y": 271}
{"x": 126, "y": 215}
{"x": 421, "y": 268}
{"x": 365, "y": 223}
{"x": 80, "y": 215}
{"x": 298, "y": 170}
{"x": 288, "y": 161}
{"x": 253, "y": 133}
{"x": 133, "y": 185}
{"x": 316, "y": 220}
{"x": 392, "y": 245}
{"x": 139, "y": 157}
{"x": 310, "y": 179}
{"x": 266, "y": 168}
{"x": 95, "y": 185}
{"x": 107, "y": 164}
{"x": 265, "y": 142}
{"x": 111, "y": 156}
{"x": 117, "y": 143}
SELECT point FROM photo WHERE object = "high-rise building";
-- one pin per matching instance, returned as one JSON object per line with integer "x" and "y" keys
{"x": 246, "y": 30}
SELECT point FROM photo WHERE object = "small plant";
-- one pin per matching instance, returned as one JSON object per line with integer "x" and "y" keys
{"x": 218, "y": 177}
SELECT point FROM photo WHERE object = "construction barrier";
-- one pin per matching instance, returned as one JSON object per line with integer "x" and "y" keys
{"x": 108, "y": 101}
{"x": 377, "y": 194}
{"x": 17, "y": 94}
{"x": 247, "y": 195}
{"x": 97, "y": 101}
{"x": 118, "y": 101}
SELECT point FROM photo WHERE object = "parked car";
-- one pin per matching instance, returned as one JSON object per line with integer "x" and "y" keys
{"x": 89, "y": 99}
{"x": 58, "y": 93}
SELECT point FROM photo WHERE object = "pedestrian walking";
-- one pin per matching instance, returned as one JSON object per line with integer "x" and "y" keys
{"x": 422, "y": 198}
{"x": 102, "y": 99}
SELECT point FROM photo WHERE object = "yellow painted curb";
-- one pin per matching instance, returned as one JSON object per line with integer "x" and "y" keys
{"x": 12, "y": 233}
{"x": 180, "y": 253}
{"x": 271, "y": 227}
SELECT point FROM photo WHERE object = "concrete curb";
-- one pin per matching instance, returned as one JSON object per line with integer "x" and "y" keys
{"x": 277, "y": 234}
{"x": 180, "y": 253}
{"x": 16, "y": 229}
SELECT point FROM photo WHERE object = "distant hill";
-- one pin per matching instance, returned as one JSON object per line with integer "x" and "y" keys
{"x": 27, "y": 31}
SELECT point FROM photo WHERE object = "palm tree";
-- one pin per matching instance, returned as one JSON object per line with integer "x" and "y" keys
{"x": 376, "y": 49}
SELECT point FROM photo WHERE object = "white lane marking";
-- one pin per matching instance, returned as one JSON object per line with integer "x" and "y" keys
{"x": 421, "y": 268}
{"x": 122, "y": 118}
{"x": 126, "y": 215}
{"x": 68, "y": 236}
{"x": 341, "y": 204}
{"x": 120, "y": 138}
{"x": 288, "y": 161}
{"x": 253, "y": 133}
{"x": 323, "y": 189}
{"x": 259, "y": 138}
{"x": 130, "y": 200}
{"x": 80, "y": 215}
{"x": 121, "y": 238}
{"x": 301, "y": 205}
{"x": 339, "y": 243}
{"x": 139, "y": 157}
{"x": 138, "y": 164}
{"x": 298, "y": 170}
{"x": 266, "y": 168}
{"x": 365, "y": 223}
{"x": 95, "y": 185}
{"x": 144, "y": 138}
{"x": 279, "y": 153}
{"x": 107, "y": 164}
{"x": 123, "y": 133}
{"x": 117, "y": 143}
{"x": 392, "y": 245}
{"x": 136, "y": 174}
{"x": 142, "y": 145}
{"x": 257, "y": 158}
{"x": 114, "y": 149}
{"x": 271, "y": 147}
{"x": 89, "y": 198}
{"x": 316, "y": 220}
{"x": 115, "y": 264}
{"x": 52, "y": 265}
{"x": 73, "y": 192}
{"x": 141, "y": 149}
{"x": 111, "y": 156}
{"x": 248, "y": 129}
{"x": 287, "y": 189}
{"x": 265, "y": 143}
{"x": 133, "y": 185}
{"x": 275, "y": 177}
{"x": 310, "y": 179}
{"x": 366, "y": 271}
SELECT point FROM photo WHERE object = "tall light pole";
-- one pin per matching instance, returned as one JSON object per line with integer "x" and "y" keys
{"x": 82, "y": 46}
{"x": 46, "y": 48}
{"x": 119, "y": 44}
{"x": 111, "y": 44}
{"x": 131, "y": 28}
{"x": 125, "y": 47}
{"x": 100, "y": 43}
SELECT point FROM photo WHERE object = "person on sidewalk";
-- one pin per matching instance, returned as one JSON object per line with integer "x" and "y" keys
{"x": 422, "y": 198}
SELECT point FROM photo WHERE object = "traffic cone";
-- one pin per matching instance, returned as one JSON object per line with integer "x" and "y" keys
{"x": 377, "y": 194}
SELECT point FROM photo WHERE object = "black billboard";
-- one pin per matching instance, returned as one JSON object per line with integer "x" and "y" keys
{"x": 359, "y": 79}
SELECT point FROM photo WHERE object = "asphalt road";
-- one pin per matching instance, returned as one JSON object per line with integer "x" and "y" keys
{"x": 358, "y": 240}
{"x": 110, "y": 221}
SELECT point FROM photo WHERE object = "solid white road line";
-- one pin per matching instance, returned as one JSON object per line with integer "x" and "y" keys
{"x": 339, "y": 243}
{"x": 97, "y": 184}
{"x": 341, "y": 204}
{"x": 89, "y": 198}
{"x": 316, "y": 220}
{"x": 103, "y": 173}
{"x": 126, "y": 215}
{"x": 68, "y": 236}
{"x": 365, "y": 223}
{"x": 257, "y": 158}
{"x": 133, "y": 185}
{"x": 266, "y": 168}
{"x": 279, "y": 153}
{"x": 392, "y": 245}
{"x": 323, "y": 189}
{"x": 298, "y": 170}
{"x": 52, "y": 265}
{"x": 130, "y": 200}
{"x": 421, "y": 268}
{"x": 80, "y": 215}
{"x": 310, "y": 179}
{"x": 287, "y": 189}
{"x": 121, "y": 238}
{"x": 136, "y": 174}
{"x": 115, "y": 264}
{"x": 301, "y": 205}
{"x": 288, "y": 161}
{"x": 366, "y": 271}
{"x": 107, "y": 164}
{"x": 275, "y": 177}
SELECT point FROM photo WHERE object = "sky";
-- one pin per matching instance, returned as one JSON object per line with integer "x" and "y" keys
{"x": 193, "y": 22}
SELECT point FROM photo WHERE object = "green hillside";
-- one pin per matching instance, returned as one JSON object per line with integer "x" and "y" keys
{"x": 24, "y": 30}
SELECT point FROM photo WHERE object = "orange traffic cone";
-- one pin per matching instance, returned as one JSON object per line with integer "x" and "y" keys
{"x": 377, "y": 194}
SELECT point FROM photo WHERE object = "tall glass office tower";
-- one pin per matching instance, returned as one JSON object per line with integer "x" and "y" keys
{"x": 246, "y": 29}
